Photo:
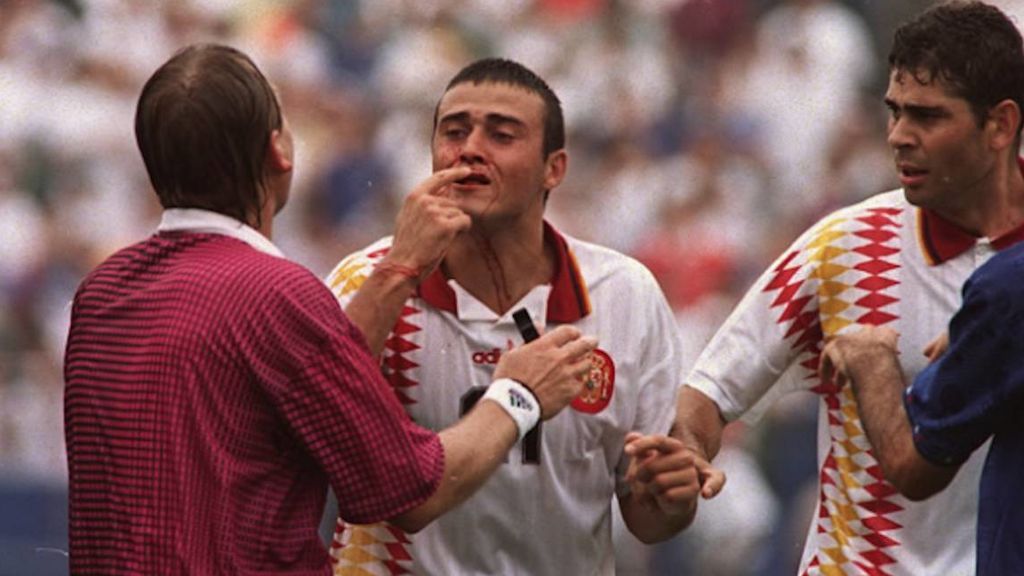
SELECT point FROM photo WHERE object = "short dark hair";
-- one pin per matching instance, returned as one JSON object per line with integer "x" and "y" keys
{"x": 502, "y": 71}
{"x": 973, "y": 47}
{"x": 203, "y": 125}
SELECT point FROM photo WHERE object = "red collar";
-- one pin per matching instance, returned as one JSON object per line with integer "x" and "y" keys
{"x": 568, "y": 302}
{"x": 942, "y": 240}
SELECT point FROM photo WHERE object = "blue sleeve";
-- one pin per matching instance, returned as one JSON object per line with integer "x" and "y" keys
{"x": 957, "y": 403}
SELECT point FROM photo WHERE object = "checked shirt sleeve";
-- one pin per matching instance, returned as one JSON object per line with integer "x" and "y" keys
{"x": 328, "y": 388}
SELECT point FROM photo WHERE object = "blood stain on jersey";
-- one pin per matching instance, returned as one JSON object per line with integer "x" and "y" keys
{"x": 598, "y": 385}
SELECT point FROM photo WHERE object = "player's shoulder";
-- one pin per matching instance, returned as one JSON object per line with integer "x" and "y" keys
{"x": 223, "y": 268}
{"x": 260, "y": 275}
{"x": 354, "y": 268}
{"x": 891, "y": 202}
{"x": 881, "y": 210}
{"x": 240, "y": 262}
{"x": 372, "y": 252}
{"x": 600, "y": 264}
{"x": 212, "y": 257}
{"x": 244, "y": 276}
{"x": 114, "y": 265}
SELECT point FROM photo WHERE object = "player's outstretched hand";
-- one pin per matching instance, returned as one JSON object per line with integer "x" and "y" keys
{"x": 666, "y": 475}
{"x": 859, "y": 346}
{"x": 553, "y": 366}
{"x": 427, "y": 223}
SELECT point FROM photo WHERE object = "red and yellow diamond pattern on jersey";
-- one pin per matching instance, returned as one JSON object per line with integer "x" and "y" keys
{"x": 346, "y": 280}
{"x": 854, "y": 286}
{"x": 370, "y": 550}
{"x": 376, "y": 549}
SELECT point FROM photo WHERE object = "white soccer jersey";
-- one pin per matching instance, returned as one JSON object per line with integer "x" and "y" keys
{"x": 880, "y": 262}
{"x": 548, "y": 509}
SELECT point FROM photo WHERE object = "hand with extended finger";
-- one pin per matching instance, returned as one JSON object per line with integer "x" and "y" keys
{"x": 552, "y": 366}
{"x": 426, "y": 225}
{"x": 846, "y": 352}
{"x": 665, "y": 475}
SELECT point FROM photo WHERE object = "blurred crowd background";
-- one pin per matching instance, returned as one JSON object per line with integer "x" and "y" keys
{"x": 704, "y": 135}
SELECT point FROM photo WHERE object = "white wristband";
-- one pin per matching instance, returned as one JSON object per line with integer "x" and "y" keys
{"x": 516, "y": 399}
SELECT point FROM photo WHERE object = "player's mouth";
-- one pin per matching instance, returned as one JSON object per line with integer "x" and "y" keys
{"x": 911, "y": 175}
{"x": 474, "y": 179}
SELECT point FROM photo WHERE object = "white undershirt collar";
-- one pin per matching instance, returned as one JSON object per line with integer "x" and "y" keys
{"x": 208, "y": 222}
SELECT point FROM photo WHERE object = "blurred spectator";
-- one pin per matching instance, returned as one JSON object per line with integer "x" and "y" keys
{"x": 707, "y": 220}
{"x": 813, "y": 60}
{"x": 709, "y": 30}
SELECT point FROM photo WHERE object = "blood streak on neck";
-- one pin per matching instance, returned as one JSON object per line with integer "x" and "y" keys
{"x": 493, "y": 263}
{"x": 496, "y": 271}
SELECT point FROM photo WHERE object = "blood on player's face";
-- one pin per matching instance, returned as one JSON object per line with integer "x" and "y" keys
{"x": 497, "y": 129}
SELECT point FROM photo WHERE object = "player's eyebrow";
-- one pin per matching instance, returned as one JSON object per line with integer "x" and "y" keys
{"x": 495, "y": 118}
{"x": 915, "y": 109}
{"x": 492, "y": 118}
{"x": 462, "y": 117}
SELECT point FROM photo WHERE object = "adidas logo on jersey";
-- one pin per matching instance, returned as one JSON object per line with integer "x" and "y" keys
{"x": 488, "y": 357}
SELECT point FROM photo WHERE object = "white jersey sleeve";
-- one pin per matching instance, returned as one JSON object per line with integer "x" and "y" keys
{"x": 346, "y": 278}
{"x": 773, "y": 336}
{"x": 660, "y": 362}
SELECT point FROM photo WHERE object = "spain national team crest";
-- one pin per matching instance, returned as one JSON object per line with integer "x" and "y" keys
{"x": 599, "y": 385}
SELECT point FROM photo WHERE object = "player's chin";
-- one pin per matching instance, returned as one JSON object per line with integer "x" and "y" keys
{"x": 919, "y": 195}
{"x": 477, "y": 204}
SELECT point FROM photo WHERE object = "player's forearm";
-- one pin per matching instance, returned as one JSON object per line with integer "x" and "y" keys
{"x": 698, "y": 423}
{"x": 375, "y": 308}
{"x": 650, "y": 524}
{"x": 878, "y": 386}
{"x": 474, "y": 448}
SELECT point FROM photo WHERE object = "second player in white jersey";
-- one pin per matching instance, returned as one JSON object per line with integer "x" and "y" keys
{"x": 881, "y": 262}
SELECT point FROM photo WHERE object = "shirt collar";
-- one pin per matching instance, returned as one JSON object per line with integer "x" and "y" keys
{"x": 941, "y": 240}
{"x": 199, "y": 221}
{"x": 568, "y": 300}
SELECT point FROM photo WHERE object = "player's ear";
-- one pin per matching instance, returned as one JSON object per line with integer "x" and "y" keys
{"x": 281, "y": 152}
{"x": 1002, "y": 124}
{"x": 554, "y": 168}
